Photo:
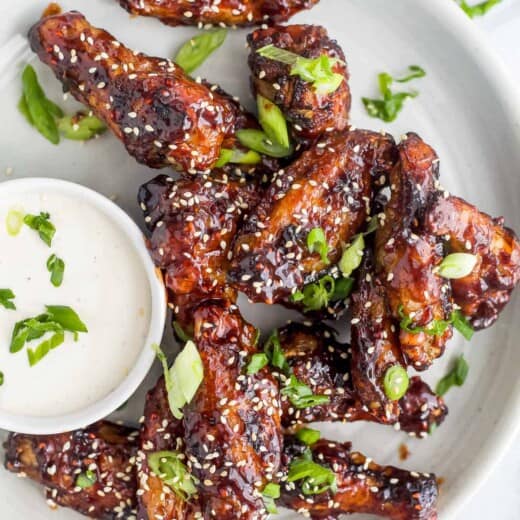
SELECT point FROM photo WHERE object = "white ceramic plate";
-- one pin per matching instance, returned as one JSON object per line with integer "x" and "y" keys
{"x": 467, "y": 109}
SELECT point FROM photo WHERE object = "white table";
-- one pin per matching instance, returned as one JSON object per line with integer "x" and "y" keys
{"x": 499, "y": 497}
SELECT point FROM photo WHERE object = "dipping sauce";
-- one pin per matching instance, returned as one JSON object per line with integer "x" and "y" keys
{"x": 104, "y": 282}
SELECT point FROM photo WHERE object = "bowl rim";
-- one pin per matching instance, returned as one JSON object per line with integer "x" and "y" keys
{"x": 123, "y": 391}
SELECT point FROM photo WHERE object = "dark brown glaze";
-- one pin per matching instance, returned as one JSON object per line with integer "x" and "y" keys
{"x": 55, "y": 461}
{"x": 406, "y": 258}
{"x": 163, "y": 117}
{"x": 483, "y": 294}
{"x": 310, "y": 114}
{"x": 192, "y": 222}
{"x": 328, "y": 187}
{"x": 213, "y": 12}
{"x": 362, "y": 486}
{"x": 375, "y": 340}
{"x": 324, "y": 364}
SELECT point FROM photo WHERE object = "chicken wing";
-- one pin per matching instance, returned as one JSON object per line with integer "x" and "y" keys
{"x": 406, "y": 258}
{"x": 310, "y": 113}
{"x": 362, "y": 486}
{"x": 90, "y": 470}
{"x": 217, "y": 12}
{"x": 329, "y": 187}
{"x": 318, "y": 360}
{"x": 483, "y": 293}
{"x": 163, "y": 117}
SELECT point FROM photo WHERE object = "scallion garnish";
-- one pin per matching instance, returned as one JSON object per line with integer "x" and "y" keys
{"x": 315, "y": 478}
{"x": 6, "y": 295}
{"x": 317, "y": 71}
{"x": 56, "y": 266}
{"x": 317, "y": 243}
{"x": 461, "y": 323}
{"x": 272, "y": 121}
{"x": 258, "y": 361}
{"x": 45, "y": 347}
{"x": 391, "y": 103}
{"x": 273, "y": 350}
{"x": 270, "y": 493}
{"x": 318, "y": 295}
{"x": 196, "y": 50}
{"x": 1, "y": 378}
{"x": 180, "y": 332}
{"x": 86, "y": 479}
{"x": 183, "y": 378}
{"x": 259, "y": 141}
{"x": 237, "y": 157}
{"x": 14, "y": 221}
{"x": 456, "y": 377}
{"x": 352, "y": 256}
{"x": 43, "y": 225}
{"x": 81, "y": 126}
{"x": 308, "y": 436}
{"x": 457, "y": 265}
{"x": 395, "y": 382}
{"x": 168, "y": 466}
{"x": 478, "y": 9}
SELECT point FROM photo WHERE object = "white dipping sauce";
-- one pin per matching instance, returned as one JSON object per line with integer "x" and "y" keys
{"x": 104, "y": 282}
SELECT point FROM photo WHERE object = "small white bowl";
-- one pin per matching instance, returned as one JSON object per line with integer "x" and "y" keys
{"x": 93, "y": 412}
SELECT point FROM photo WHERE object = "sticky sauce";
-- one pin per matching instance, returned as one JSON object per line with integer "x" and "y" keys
{"x": 104, "y": 282}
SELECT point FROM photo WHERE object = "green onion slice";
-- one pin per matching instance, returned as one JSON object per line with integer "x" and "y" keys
{"x": 259, "y": 141}
{"x": 1, "y": 378}
{"x": 86, "y": 479}
{"x": 6, "y": 295}
{"x": 168, "y": 466}
{"x": 258, "y": 361}
{"x": 270, "y": 493}
{"x": 395, "y": 382}
{"x": 81, "y": 127}
{"x": 308, "y": 436}
{"x": 180, "y": 332}
{"x": 14, "y": 221}
{"x": 317, "y": 243}
{"x": 36, "y": 355}
{"x": 315, "y": 479}
{"x": 196, "y": 50}
{"x": 236, "y": 156}
{"x": 56, "y": 266}
{"x": 272, "y": 121}
{"x": 42, "y": 225}
{"x": 352, "y": 256}
{"x": 461, "y": 323}
{"x": 457, "y": 265}
{"x": 479, "y": 9}
{"x": 456, "y": 377}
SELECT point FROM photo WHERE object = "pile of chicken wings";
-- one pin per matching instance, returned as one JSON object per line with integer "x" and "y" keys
{"x": 215, "y": 232}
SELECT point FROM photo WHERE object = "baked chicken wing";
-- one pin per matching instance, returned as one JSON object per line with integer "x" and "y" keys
{"x": 217, "y": 12}
{"x": 310, "y": 113}
{"x": 163, "y": 117}
{"x": 328, "y": 187}
{"x": 483, "y": 293}
{"x": 90, "y": 470}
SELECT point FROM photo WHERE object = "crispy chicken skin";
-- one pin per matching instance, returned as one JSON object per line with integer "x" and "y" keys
{"x": 483, "y": 293}
{"x": 230, "y": 433}
{"x": 310, "y": 114}
{"x": 362, "y": 486}
{"x": 324, "y": 364}
{"x": 191, "y": 223}
{"x": 406, "y": 258}
{"x": 163, "y": 117}
{"x": 327, "y": 187}
{"x": 217, "y": 12}
{"x": 55, "y": 461}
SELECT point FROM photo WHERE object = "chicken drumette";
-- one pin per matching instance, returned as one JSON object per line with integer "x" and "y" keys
{"x": 217, "y": 12}
{"x": 310, "y": 113}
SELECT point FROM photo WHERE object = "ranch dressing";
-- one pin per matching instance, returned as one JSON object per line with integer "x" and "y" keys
{"x": 104, "y": 282}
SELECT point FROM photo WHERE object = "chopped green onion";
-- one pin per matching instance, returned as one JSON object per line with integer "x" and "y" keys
{"x": 43, "y": 225}
{"x": 342, "y": 289}
{"x": 478, "y": 9}
{"x": 81, "y": 127}
{"x": 461, "y": 323}
{"x": 272, "y": 121}
{"x": 6, "y": 295}
{"x": 456, "y": 377}
{"x": 457, "y": 265}
{"x": 259, "y": 141}
{"x": 68, "y": 318}
{"x": 36, "y": 108}
{"x": 196, "y": 50}
{"x": 301, "y": 395}
{"x": 274, "y": 352}
{"x": 317, "y": 242}
{"x": 14, "y": 222}
{"x": 315, "y": 479}
{"x": 56, "y": 266}
{"x": 277, "y": 54}
{"x": 45, "y": 347}
{"x": 270, "y": 493}
{"x": 434, "y": 328}
{"x": 86, "y": 479}
{"x": 352, "y": 256}
{"x": 180, "y": 332}
{"x": 316, "y": 296}
{"x": 372, "y": 226}
{"x": 237, "y": 157}
{"x": 395, "y": 382}
{"x": 183, "y": 378}
{"x": 391, "y": 103}
{"x": 168, "y": 466}
{"x": 258, "y": 361}
{"x": 1, "y": 378}
{"x": 308, "y": 436}
{"x": 432, "y": 428}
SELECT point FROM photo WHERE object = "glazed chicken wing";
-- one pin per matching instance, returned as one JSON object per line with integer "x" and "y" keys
{"x": 163, "y": 117}
{"x": 311, "y": 114}
{"x": 362, "y": 486}
{"x": 328, "y": 187}
{"x": 217, "y": 12}
{"x": 407, "y": 258}
{"x": 483, "y": 293}
{"x": 90, "y": 470}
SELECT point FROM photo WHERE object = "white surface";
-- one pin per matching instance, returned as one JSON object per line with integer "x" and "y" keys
{"x": 464, "y": 110}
